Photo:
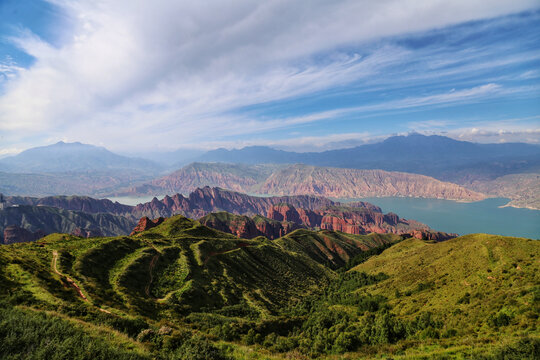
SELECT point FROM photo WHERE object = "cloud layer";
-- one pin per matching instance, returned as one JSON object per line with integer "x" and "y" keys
{"x": 177, "y": 73}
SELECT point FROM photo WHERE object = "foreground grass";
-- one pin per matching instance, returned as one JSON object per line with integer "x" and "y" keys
{"x": 183, "y": 291}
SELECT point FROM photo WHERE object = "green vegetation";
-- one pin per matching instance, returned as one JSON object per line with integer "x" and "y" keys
{"x": 184, "y": 291}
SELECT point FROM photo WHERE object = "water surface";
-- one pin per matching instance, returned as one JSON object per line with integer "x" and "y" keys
{"x": 134, "y": 200}
{"x": 464, "y": 218}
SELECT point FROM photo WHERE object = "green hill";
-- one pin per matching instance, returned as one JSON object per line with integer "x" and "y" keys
{"x": 484, "y": 288}
{"x": 184, "y": 291}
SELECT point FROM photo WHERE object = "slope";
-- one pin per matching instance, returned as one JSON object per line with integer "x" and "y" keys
{"x": 523, "y": 189}
{"x": 304, "y": 180}
{"x": 181, "y": 290}
{"x": 353, "y": 183}
{"x": 50, "y": 220}
{"x": 481, "y": 286}
{"x": 333, "y": 249}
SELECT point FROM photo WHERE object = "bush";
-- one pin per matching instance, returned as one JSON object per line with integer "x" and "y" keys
{"x": 526, "y": 348}
{"x": 26, "y": 334}
{"x": 499, "y": 320}
{"x": 197, "y": 348}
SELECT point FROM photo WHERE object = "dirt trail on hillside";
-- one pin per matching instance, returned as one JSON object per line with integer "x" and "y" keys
{"x": 151, "y": 269}
{"x": 71, "y": 282}
{"x": 68, "y": 279}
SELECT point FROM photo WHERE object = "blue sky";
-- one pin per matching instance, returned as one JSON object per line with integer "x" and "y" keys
{"x": 135, "y": 76}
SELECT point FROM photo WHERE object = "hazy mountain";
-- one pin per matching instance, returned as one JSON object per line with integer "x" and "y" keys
{"x": 437, "y": 156}
{"x": 170, "y": 159}
{"x": 237, "y": 177}
{"x": 252, "y": 155}
{"x": 303, "y": 179}
{"x": 66, "y": 157}
{"x": 84, "y": 182}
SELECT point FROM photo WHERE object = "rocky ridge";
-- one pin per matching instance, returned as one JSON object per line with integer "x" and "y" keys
{"x": 304, "y": 179}
{"x": 282, "y": 219}
{"x": 355, "y": 183}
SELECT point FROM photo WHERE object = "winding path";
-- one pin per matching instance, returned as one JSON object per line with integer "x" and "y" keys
{"x": 68, "y": 279}
{"x": 151, "y": 269}
{"x": 71, "y": 282}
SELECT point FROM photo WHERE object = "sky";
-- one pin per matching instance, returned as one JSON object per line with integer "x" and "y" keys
{"x": 149, "y": 76}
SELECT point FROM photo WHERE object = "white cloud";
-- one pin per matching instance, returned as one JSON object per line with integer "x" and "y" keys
{"x": 138, "y": 72}
{"x": 523, "y": 130}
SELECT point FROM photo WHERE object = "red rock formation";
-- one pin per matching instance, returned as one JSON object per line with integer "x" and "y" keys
{"x": 145, "y": 224}
{"x": 16, "y": 234}
{"x": 246, "y": 227}
{"x": 355, "y": 221}
{"x": 206, "y": 200}
{"x": 286, "y": 212}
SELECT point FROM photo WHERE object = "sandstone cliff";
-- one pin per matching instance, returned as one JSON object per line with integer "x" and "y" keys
{"x": 355, "y": 221}
{"x": 305, "y": 180}
{"x": 246, "y": 227}
{"x": 353, "y": 183}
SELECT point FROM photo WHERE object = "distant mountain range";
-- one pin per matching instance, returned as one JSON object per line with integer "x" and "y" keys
{"x": 437, "y": 156}
{"x": 303, "y": 179}
{"x": 506, "y": 170}
{"x": 72, "y": 168}
{"x": 91, "y": 182}
{"x": 73, "y": 157}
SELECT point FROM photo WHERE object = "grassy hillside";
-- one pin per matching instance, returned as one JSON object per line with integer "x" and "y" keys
{"x": 483, "y": 288}
{"x": 185, "y": 291}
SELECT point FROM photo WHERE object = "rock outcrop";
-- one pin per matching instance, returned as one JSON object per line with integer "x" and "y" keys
{"x": 145, "y": 224}
{"x": 54, "y": 220}
{"x": 283, "y": 218}
{"x": 206, "y": 200}
{"x": 75, "y": 203}
{"x": 16, "y": 234}
{"x": 286, "y": 212}
{"x": 355, "y": 221}
{"x": 248, "y": 228}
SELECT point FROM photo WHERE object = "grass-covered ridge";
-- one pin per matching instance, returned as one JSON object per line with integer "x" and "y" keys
{"x": 183, "y": 291}
{"x": 482, "y": 287}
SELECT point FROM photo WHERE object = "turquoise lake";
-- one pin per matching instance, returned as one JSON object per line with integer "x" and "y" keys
{"x": 465, "y": 218}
